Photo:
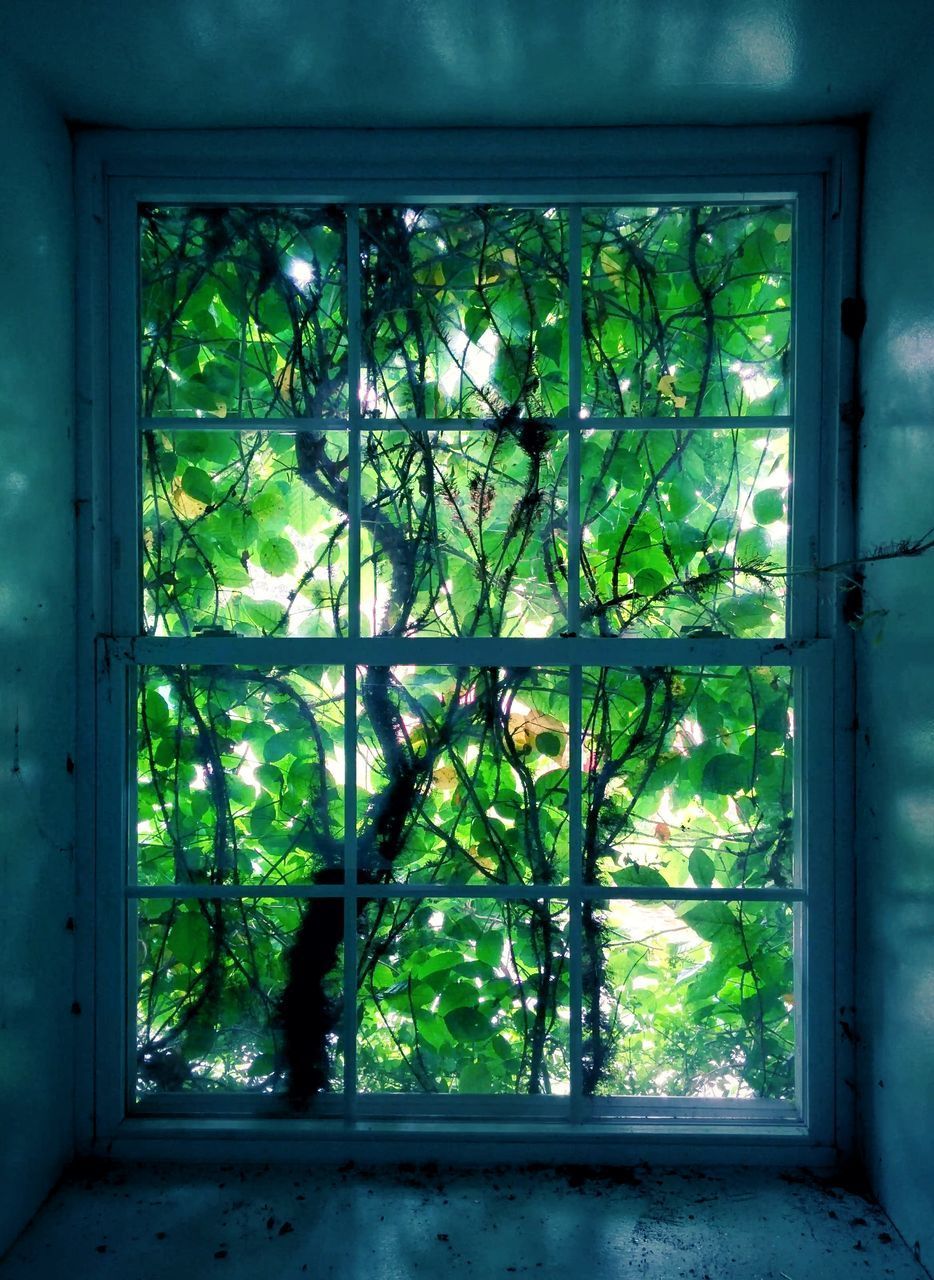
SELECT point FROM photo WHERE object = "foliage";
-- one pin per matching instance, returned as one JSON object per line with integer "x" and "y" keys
{"x": 463, "y": 775}
{"x": 233, "y": 540}
{"x": 687, "y": 310}
{"x": 462, "y": 778}
{"x": 695, "y": 999}
{"x": 684, "y": 532}
{"x": 468, "y": 996}
{"x": 465, "y": 311}
{"x": 243, "y": 311}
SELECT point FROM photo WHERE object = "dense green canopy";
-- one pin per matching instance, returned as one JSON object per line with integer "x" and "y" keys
{"x": 476, "y": 508}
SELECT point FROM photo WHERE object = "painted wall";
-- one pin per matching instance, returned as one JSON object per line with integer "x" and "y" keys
{"x": 36, "y": 651}
{"x": 896, "y": 783}
{"x": 634, "y": 63}
{"x": 234, "y": 63}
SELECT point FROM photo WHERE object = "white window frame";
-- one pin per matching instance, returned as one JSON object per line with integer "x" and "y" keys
{"x": 816, "y": 169}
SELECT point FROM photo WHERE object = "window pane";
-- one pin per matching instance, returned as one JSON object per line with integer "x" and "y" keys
{"x": 687, "y": 310}
{"x": 226, "y": 995}
{"x": 462, "y": 775}
{"x": 243, "y": 311}
{"x": 245, "y": 533}
{"x": 240, "y": 775}
{"x": 684, "y": 532}
{"x": 464, "y": 532}
{"x": 688, "y": 777}
{"x": 463, "y": 997}
{"x": 464, "y": 312}
{"x": 689, "y": 999}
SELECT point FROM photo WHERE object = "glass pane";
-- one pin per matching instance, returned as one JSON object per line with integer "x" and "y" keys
{"x": 688, "y": 777}
{"x": 464, "y": 532}
{"x": 684, "y": 532}
{"x": 464, "y": 312}
{"x": 687, "y": 311}
{"x": 462, "y": 775}
{"x": 233, "y": 999}
{"x": 241, "y": 776}
{"x": 245, "y": 533}
{"x": 463, "y": 997}
{"x": 690, "y": 999}
{"x": 243, "y": 311}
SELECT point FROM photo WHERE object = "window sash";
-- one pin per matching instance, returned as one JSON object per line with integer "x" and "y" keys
{"x": 804, "y": 648}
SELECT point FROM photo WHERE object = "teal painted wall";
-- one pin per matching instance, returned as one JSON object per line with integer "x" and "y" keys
{"x": 37, "y": 650}
{"x": 626, "y": 63}
{"x": 895, "y": 827}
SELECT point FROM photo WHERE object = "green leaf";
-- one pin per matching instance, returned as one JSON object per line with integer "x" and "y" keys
{"x": 157, "y": 712}
{"x": 628, "y": 471}
{"x": 269, "y": 778}
{"x": 744, "y": 614}
{"x": 682, "y": 498}
{"x": 474, "y": 1078}
{"x": 711, "y": 920}
{"x": 277, "y": 556}
{"x": 490, "y": 948}
{"x": 549, "y": 744}
{"x": 270, "y": 507}
{"x": 265, "y": 615}
{"x": 636, "y": 874}
{"x": 457, "y": 995}
{"x": 753, "y": 545}
{"x": 549, "y": 339}
{"x": 648, "y": 582}
{"x": 189, "y": 938}
{"x": 701, "y": 867}
{"x": 724, "y": 774}
{"x": 262, "y": 1065}
{"x": 468, "y": 1023}
{"x": 262, "y": 819}
{"x": 198, "y": 484}
{"x": 768, "y": 506}
{"x": 281, "y": 745}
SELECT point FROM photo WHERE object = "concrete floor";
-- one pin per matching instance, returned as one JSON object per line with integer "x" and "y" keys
{"x": 267, "y": 1223}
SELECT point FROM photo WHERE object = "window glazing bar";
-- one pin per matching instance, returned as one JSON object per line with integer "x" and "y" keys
{"x": 438, "y": 891}
{"x": 466, "y": 651}
{"x": 575, "y": 422}
{"x": 349, "y": 1006}
{"x": 575, "y": 682}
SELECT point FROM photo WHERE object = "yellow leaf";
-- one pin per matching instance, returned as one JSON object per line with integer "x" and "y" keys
{"x": 185, "y": 505}
{"x": 783, "y": 232}
{"x": 445, "y": 777}
{"x": 285, "y": 380}
{"x": 666, "y": 387}
{"x": 524, "y": 728}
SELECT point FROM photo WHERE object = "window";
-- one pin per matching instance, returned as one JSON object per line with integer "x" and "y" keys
{"x": 470, "y": 729}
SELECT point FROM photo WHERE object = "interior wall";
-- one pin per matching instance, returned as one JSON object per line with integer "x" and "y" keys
{"x": 896, "y": 688}
{"x": 37, "y": 651}
{"x": 896, "y": 800}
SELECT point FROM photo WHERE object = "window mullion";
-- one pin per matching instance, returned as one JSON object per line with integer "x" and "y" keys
{"x": 575, "y": 338}
{"x": 355, "y": 427}
{"x": 575, "y": 840}
{"x": 349, "y": 1017}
